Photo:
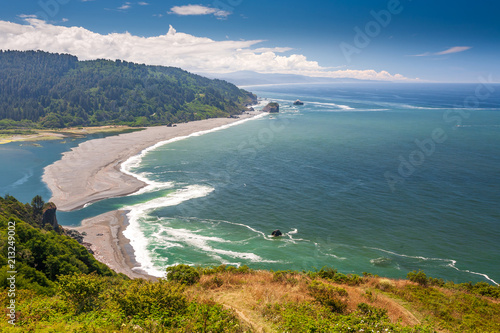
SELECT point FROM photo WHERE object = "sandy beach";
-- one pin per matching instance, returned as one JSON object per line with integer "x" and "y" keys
{"x": 91, "y": 172}
{"x": 110, "y": 246}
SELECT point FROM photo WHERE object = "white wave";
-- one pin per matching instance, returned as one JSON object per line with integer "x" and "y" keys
{"x": 451, "y": 263}
{"x": 340, "y": 106}
{"x": 154, "y": 186}
{"x": 294, "y": 240}
{"x": 135, "y": 161}
{"x": 316, "y": 245}
{"x": 134, "y": 233}
{"x": 243, "y": 225}
{"x": 407, "y": 256}
{"x": 200, "y": 242}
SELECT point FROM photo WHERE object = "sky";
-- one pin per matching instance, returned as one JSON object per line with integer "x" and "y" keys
{"x": 395, "y": 40}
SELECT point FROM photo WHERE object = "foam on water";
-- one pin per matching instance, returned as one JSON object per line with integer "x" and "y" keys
{"x": 140, "y": 211}
{"x": 195, "y": 240}
{"x": 134, "y": 162}
{"x": 339, "y": 106}
{"x": 450, "y": 262}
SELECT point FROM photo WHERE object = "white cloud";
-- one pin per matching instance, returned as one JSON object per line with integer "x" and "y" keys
{"x": 198, "y": 10}
{"x": 125, "y": 6}
{"x": 142, "y": 3}
{"x": 65, "y": 19}
{"x": 197, "y": 54}
{"x": 454, "y": 49}
{"x": 26, "y": 16}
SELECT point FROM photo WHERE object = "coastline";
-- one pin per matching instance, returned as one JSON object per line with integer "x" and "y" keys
{"x": 110, "y": 246}
{"x": 61, "y": 134}
{"x": 93, "y": 171}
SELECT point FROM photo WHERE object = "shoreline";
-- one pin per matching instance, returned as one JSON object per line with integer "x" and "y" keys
{"x": 105, "y": 235}
{"x": 36, "y": 135}
{"x": 92, "y": 171}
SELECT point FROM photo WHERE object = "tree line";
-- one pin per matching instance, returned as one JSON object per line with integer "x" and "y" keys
{"x": 47, "y": 90}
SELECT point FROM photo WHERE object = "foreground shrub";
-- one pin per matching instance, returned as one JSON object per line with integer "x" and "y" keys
{"x": 308, "y": 317}
{"x": 162, "y": 300}
{"x": 331, "y": 274}
{"x": 81, "y": 290}
{"x": 285, "y": 277}
{"x": 418, "y": 277}
{"x": 183, "y": 274}
{"x": 333, "y": 298}
{"x": 244, "y": 269}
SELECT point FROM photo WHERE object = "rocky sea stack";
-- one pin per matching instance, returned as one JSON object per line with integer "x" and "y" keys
{"x": 272, "y": 108}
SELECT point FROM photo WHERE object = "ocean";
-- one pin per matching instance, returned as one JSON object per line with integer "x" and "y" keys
{"x": 364, "y": 177}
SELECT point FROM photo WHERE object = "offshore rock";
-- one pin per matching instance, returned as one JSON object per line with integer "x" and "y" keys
{"x": 272, "y": 108}
{"x": 276, "y": 233}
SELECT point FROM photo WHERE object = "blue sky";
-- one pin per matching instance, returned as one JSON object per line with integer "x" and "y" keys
{"x": 440, "y": 41}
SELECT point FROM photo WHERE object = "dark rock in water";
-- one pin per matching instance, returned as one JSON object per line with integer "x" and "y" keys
{"x": 298, "y": 102}
{"x": 272, "y": 108}
{"x": 251, "y": 108}
{"x": 276, "y": 233}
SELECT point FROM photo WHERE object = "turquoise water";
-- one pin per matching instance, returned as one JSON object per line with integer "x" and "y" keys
{"x": 381, "y": 178}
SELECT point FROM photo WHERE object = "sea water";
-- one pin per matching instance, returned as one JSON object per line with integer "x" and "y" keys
{"x": 380, "y": 178}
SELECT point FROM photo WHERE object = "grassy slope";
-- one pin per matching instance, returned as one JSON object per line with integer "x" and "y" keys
{"x": 263, "y": 301}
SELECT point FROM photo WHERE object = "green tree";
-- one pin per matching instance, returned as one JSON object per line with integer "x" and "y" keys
{"x": 37, "y": 203}
{"x": 183, "y": 274}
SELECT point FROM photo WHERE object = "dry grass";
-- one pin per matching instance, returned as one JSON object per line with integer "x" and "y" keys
{"x": 248, "y": 294}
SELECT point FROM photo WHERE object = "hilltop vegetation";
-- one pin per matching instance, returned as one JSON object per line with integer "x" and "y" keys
{"x": 42, "y": 250}
{"x": 62, "y": 288}
{"x": 45, "y": 90}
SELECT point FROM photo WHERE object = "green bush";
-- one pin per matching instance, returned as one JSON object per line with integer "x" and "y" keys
{"x": 224, "y": 268}
{"x": 161, "y": 300}
{"x": 183, "y": 274}
{"x": 418, "y": 277}
{"x": 371, "y": 312}
{"x": 209, "y": 316}
{"x": 82, "y": 291}
{"x": 285, "y": 277}
{"x": 329, "y": 296}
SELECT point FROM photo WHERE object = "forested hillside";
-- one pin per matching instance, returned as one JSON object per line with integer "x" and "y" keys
{"x": 40, "y": 89}
{"x": 42, "y": 250}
